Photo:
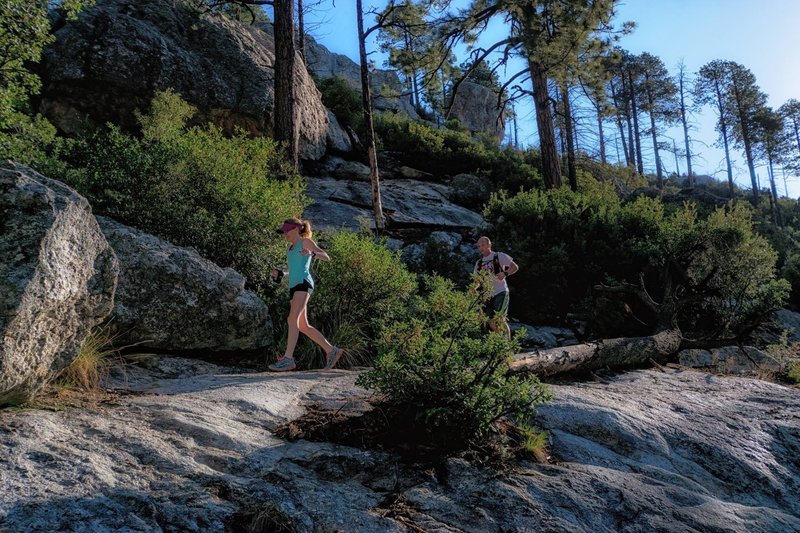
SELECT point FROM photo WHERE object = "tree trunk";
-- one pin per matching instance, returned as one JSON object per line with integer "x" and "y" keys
{"x": 619, "y": 125}
{"x": 686, "y": 136}
{"x": 602, "y": 137}
{"x": 746, "y": 139}
{"x": 659, "y": 171}
{"x": 551, "y": 167}
{"x": 614, "y": 353}
{"x": 571, "y": 170}
{"x": 286, "y": 129}
{"x": 636, "y": 131}
{"x": 796, "y": 132}
{"x": 366, "y": 102}
{"x": 723, "y": 126}
{"x": 776, "y": 210}
{"x": 516, "y": 131}
{"x": 301, "y": 30}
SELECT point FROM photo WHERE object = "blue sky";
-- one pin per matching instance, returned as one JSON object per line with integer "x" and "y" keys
{"x": 763, "y": 36}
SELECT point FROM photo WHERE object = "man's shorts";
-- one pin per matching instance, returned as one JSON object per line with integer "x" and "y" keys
{"x": 496, "y": 304}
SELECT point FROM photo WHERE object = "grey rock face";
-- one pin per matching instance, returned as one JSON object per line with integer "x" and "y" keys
{"x": 544, "y": 336}
{"x": 171, "y": 298}
{"x": 469, "y": 190}
{"x": 385, "y": 85}
{"x": 57, "y": 279}
{"x": 789, "y": 321}
{"x": 118, "y": 53}
{"x": 406, "y": 203}
{"x": 730, "y": 360}
{"x": 338, "y": 139}
{"x": 645, "y": 451}
{"x": 475, "y": 106}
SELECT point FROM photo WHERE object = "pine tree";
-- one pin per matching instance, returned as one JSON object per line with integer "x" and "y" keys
{"x": 683, "y": 91}
{"x": 659, "y": 100}
{"x": 711, "y": 88}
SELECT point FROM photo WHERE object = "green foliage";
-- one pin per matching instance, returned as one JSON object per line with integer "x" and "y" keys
{"x": 439, "y": 259}
{"x": 448, "y": 152}
{"x": 357, "y": 292}
{"x": 437, "y": 361}
{"x": 718, "y": 268}
{"x": 794, "y": 371}
{"x": 193, "y": 187}
{"x": 343, "y": 100}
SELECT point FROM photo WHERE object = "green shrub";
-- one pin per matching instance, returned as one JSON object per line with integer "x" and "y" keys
{"x": 566, "y": 243}
{"x": 447, "y": 152}
{"x": 193, "y": 187}
{"x": 343, "y": 100}
{"x": 357, "y": 293}
{"x": 437, "y": 362}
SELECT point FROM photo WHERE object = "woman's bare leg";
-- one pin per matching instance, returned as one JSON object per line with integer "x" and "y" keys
{"x": 297, "y": 306}
{"x": 313, "y": 333}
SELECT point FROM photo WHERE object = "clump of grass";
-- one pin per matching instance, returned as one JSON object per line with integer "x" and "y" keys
{"x": 270, "y": 519}
{"x": 793, "y": 372}
{"x": 92, "y": 364}
{"x": 534, "y": 442}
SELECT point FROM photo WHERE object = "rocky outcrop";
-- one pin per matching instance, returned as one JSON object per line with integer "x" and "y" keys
{"x": 470, "y": 190}
{"x": 475, "y": 106}
{"x": 544, "y": 336}
{"x": 170, "y": 298}
{"x": 406, "y": 203}
{"x": 746, "y": 360}
{"x": 118, "y": 53}
{"x": 57, "y": 279}
{"x": 387, "y": 90}
{"x": 193, "y": 450}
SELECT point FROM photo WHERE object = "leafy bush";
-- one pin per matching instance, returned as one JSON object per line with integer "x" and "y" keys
{"x": 448, "y": 152}
{"x": 193, "y": 187}
{"x": 719, "y": 269}
{"x": 357, "y": 292}
{"x": 343, "y": 100}
{"x": 437, "y": 363}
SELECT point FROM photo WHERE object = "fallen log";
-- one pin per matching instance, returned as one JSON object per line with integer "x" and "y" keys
{"x": 611, "y": 353}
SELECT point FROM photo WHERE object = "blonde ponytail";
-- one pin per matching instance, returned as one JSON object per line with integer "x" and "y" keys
{"x": 305, "y": 231}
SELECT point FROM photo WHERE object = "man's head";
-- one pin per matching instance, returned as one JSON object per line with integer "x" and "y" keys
{"x": 484, "y": 246}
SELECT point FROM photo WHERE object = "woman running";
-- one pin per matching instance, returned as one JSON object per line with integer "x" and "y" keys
{"x": 301, "y": 251}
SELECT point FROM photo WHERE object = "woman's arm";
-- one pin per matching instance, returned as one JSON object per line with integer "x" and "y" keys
{"x": 311, "y": 248}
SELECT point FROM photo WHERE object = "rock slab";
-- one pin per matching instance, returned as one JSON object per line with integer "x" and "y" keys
{"x": 406, "y": 203}
{"x": 57, "y": 279}
{"x": 171, "y": 298}
{"x": 118, "y": 53}
{"x": 645, "y": 451}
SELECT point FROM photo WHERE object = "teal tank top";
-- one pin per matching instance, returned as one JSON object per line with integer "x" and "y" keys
{"x": 298, "y": 266}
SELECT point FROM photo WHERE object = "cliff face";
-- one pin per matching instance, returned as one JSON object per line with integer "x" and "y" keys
{"x": 118, "y": 53}
{"x": 385, "y": 84}
{"x": 475, "y": 106}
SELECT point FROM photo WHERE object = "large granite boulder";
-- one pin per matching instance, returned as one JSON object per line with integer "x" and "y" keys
{"x": 170, "y": 298}
{"x": 475, "y": 106}
{"x": 57, "y": 279}
{"x": 118, "y": 53}
{"x": 385, "y": 85}
{"x": 407, "y": 204}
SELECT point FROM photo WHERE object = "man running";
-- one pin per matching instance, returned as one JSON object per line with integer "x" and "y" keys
{"x": 501, "y": 266}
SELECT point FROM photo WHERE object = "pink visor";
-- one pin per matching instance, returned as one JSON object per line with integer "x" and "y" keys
{"x": 287, "y": 227}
